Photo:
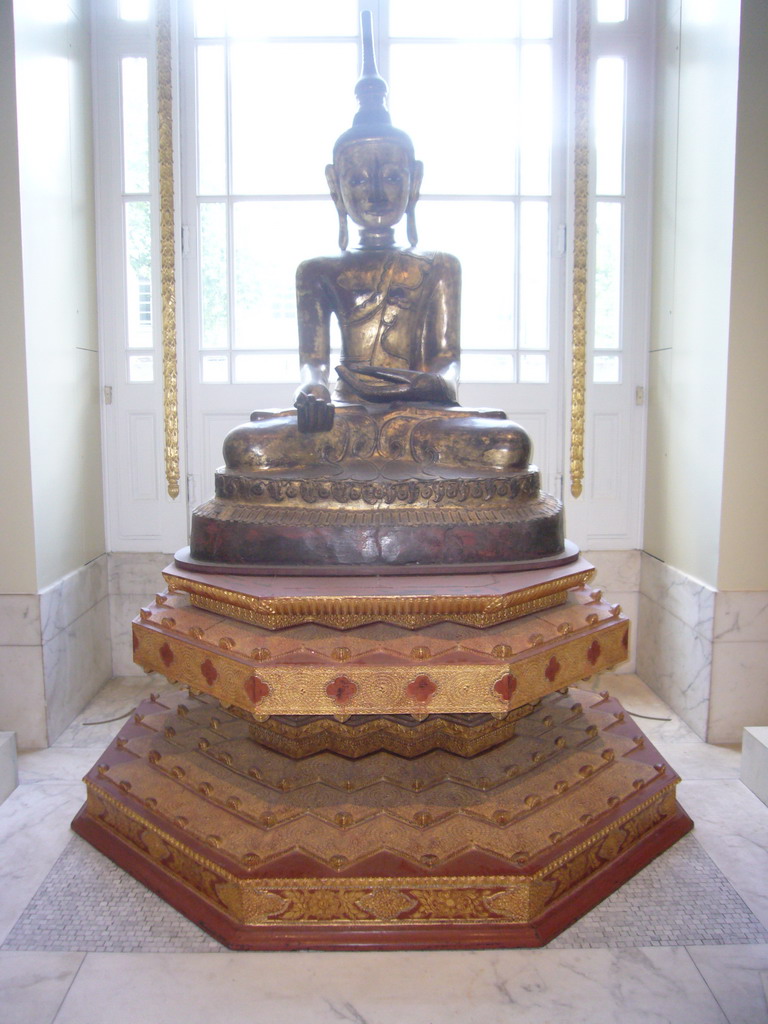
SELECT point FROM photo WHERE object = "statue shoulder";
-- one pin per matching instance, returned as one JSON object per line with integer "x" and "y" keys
{"x": 317, "y": 275}
{"x": 439, "y": 260}
{"x": 318, "y": 265}
{"x": 442, "y": 267}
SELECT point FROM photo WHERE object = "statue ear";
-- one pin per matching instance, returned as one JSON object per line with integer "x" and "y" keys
{"x": 333, "y": 184}
{"x": 416, "y": 179}
{"x": 418, "y": 174}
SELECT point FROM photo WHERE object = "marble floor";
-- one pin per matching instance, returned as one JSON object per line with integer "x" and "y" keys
{"x": 684, "y": 941}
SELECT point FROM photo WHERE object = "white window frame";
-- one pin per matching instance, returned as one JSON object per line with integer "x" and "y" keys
{"x": 142, "y": 517}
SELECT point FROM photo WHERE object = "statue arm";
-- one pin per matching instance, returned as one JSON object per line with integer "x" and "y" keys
{"x": 441, "y": 344}
{"x": 313, "y": 398}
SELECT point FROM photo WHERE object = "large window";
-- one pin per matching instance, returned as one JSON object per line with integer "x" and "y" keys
{"x": 487, "y": 91}
{"x": 480, "y": 89}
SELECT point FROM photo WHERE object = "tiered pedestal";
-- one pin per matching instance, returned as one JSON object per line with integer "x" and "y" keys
{"x": 381, "y": 764}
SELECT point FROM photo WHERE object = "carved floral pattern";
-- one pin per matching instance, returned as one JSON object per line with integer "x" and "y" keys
{"x": 256, "y": 689}
{"x": 506, "y": 686}
{"x": 209, "y": 671}
{"x": 553, "y": 667}
{"x": 593, "y": 653}
{"x": 421, "y": 688}
{"x": 341, "y": 689}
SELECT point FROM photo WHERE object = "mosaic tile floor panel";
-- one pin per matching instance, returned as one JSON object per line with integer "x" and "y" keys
{"x": 88, "y": 904}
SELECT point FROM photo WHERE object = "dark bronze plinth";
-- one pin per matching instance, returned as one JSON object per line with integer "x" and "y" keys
{"x": 368, "y": 518}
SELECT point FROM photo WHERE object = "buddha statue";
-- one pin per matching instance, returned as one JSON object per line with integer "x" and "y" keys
{"x": 340, "y": 479}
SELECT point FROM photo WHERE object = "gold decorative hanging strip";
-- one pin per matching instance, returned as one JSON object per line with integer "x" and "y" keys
{"x": 167, "y": 245}
{"x": 580, "y": 235}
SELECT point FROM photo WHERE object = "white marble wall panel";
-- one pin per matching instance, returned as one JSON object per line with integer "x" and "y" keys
{"x": 740, "y": 671}
{"x": 754, "y": 761}
{"x": 140, "y": 573}
{"x": 77, "y": 662}
{"x": 674, "y": 638}
{"x": 741, "y": 616}
{"x": 72, "y": 596}
{"x": 705, "y": 652}
{"x": 675, "y": 660}
{"x": 55, "y": 653}
{"x": 9, "y": 767}
{"x": 680, "y": 595}
{"x": 617, "y": 571}
{"x": 22, "y": 696}
{"x": 19, "y": 620}
{"x": 739, "y": 690}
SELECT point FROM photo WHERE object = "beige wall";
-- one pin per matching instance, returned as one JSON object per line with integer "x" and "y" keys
{"x": 17, "y": 541}
{"x": 696, "y": 138}
{"x": 743, "y": 548}
{"x": 59, "y": 314}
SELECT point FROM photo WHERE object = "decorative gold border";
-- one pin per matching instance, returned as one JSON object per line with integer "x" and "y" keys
{"x": 410, "y": 612}
{"x": 580, "y": 236}
{"x": 341, "y": 616}
{"x": 278, "y": 687}
{"x": 167, "y": 245}
{"x": 369, "y": 900}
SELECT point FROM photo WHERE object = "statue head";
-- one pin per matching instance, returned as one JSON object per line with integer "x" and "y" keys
{"x": 374, "y": 177}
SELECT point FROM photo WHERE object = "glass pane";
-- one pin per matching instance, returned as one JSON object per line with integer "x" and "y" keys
{"x": 608, "y": 276}
{"x": 480, "y": 367}
{"x": 533, "y": 368}
{"x": 141, "y": 369}
{"x": 210, "y": 18}
{"x": 135, "y": 111}
{"x": 466, "y": 146}
{"x": 455, "y": 19}
{"x": 138, "y": 274}
{"x": 134, "y": 10}
{"x": 297, "y": 18}
{"x": 607, "y": 369}
{"x": 611, "y": 10}
{"x": 214, "y": 284}
{"x": 272, "y": 367}
{"x": 536, "y": 119}
{"x": 488, "y": 270}
{"x": 211, "y": 121}
{"x": 609, "y": 126}
{"x": 270, "y": 240}
{"x": 534, "y": 275}
{"x": 214, "y": 369}
{"x": 536, "y": 19}
{"x": 284, "y": 124}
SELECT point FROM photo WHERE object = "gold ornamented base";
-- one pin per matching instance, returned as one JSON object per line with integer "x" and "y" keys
{"x": 266, "y": 852}
{"x": 380, "y": 668}
{"x": 361, "y": 735}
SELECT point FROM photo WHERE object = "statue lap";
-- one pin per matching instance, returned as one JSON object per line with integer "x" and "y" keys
{"x": 422, "y": 433}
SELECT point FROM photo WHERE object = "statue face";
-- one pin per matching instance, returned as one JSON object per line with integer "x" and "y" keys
{"x": 375, "y": 180}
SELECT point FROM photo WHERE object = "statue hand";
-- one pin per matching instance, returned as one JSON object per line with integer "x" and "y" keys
{"x": 314, "y": 409}
{"x": 400, "y": 385}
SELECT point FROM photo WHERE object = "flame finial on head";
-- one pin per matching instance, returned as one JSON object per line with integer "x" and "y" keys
{"x": 372, "y": 120}
{"x": 371, "y": 89}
